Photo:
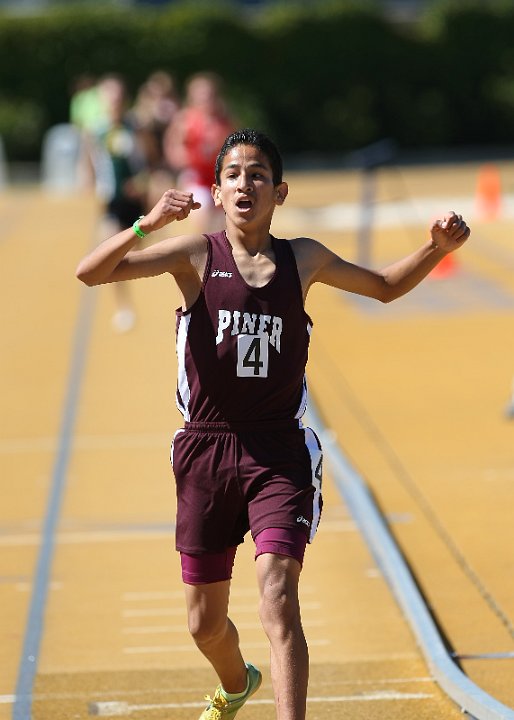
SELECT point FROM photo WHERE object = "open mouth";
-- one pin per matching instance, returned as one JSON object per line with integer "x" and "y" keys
{"x": 244, "y": 204}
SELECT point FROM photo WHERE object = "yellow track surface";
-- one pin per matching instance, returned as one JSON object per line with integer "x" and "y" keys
{"x": 415, "y": 392}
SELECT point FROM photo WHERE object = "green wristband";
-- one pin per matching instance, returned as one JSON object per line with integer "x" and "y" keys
{"x": 137, "y": 229}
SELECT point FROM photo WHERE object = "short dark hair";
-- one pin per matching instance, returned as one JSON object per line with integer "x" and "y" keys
{"x": 257, "y": 139}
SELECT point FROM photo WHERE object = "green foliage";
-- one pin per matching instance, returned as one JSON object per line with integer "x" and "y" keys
{"x": 475, "y": 63}
{"x": 325, "y": 77}
{"x": 22, "y": 123}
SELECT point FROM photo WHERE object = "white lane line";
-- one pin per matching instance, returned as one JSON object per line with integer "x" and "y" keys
{"x": 235, "y": 592}
{"x": 24, "y": 445}
{"x": 156, "y": 649}
{"x": 79, "y": 537}
{"x": 154, "y": 612}
{"x": 89, "y": 536}
{"x": 388, "y": 681}
{"x": 154, "y": 630}
{"x": 111, "y": 709}
{"x": 85, "y": 442}
{"x": 153, "y": 595}
{"x": 163, "y": 611}
{"x": 173, "y": 594}
{"x": 9, "y": 699}
{"x": 106, "y": 442}
{"x": 164, "y": 629}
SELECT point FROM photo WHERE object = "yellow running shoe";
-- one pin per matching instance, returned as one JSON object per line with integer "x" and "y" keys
{"x": 219, "y": 708}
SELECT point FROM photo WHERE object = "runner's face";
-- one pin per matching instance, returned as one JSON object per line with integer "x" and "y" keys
{"x": 246, "y": 192}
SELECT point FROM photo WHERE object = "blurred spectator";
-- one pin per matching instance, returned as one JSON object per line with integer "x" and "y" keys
{"x": 87, "y": 110}
{"x": 193, "y": 140}
{"x": 155, "y": 106}
{"x": 117, "y": 159}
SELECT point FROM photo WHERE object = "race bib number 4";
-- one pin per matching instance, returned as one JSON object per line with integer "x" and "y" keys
{"x": 252, "y": 356}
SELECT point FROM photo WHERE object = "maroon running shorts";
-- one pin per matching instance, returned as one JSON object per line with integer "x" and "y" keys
{"x": 217, "y": 567}
{"x": 231, "y": 480}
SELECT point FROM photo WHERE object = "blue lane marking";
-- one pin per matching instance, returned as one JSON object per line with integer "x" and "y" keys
{"x": 22, "y": 708}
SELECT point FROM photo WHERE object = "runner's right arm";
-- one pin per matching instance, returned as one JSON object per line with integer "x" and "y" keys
{"x": 115, "y": 259}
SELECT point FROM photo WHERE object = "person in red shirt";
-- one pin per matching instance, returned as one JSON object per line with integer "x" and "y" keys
{"x": 192, "y": 142}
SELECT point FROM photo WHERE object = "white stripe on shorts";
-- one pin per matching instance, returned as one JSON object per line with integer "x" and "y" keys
{"x": 172, "y": 447}
{"x": 316, "y": 454}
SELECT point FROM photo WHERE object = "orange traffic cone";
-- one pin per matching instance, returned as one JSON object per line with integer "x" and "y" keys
{"x": 488, "y": 194}
{"x": 444, "y": 268}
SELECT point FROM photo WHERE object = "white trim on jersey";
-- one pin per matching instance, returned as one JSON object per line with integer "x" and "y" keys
{"x": 316, "y": 455}
{"x": 303, "y": 402}
{"x": 184, "y": 392}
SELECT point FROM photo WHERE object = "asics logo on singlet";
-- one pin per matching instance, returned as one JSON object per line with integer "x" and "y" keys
{"x": 301, "y": 519}
{"x": 221, "y": 274}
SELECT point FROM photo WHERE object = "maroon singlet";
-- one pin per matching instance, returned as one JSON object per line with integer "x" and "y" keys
{"x": 242, "y": 350}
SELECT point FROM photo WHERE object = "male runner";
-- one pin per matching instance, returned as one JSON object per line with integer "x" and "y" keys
{"x": 243, "y": 460}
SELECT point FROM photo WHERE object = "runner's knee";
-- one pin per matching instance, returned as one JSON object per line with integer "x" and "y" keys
{"x": 279, "y": 605}
{"x": 205, "y": 626}
{"x": 207, "y": 586}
